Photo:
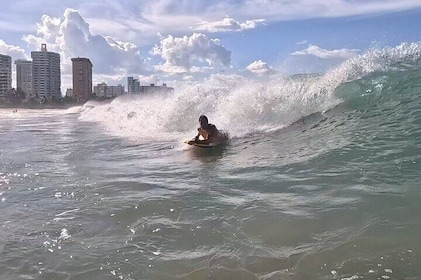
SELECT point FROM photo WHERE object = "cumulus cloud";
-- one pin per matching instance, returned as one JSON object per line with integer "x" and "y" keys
{"x": 151, "y": 79}
{"x": 327, "y": 54}
{"x": 228, "y": 24}
{"x": 182, "y": 54}
{"x": 71, "y": 37}
{"x": 128, "y": 20}
{"x": 260, "y": 67}
{"x": 315, "y": 59}
{"x": 15, "y": 52}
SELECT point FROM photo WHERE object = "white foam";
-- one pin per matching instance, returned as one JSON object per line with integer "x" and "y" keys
{"x": 240, "y": 108}
{"x": 237, "y": 104}
{"x": 64, "y": 235}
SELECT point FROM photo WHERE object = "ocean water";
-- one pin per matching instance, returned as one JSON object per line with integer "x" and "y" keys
{"x": 321, "y": 180}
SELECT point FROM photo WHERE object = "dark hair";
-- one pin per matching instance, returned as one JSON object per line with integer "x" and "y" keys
{"x": 204, "y": 118}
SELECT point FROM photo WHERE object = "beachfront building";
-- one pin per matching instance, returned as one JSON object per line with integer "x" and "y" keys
{"x": 24, "y": 76}
{"x": 46, "y": 79}
{"x": 69, "y": 93}
{"x": 105, "y": 91}
{"x": 133, "y": 85}
{"x": 82, "y": 79}
{"x": 5, "y": 74}
{"x": 152, "y": 88}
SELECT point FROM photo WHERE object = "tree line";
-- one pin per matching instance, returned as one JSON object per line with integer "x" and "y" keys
{"x": 17, "y": 98}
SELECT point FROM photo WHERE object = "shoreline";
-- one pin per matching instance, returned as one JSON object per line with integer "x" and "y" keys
{"x": 38, "y": 107}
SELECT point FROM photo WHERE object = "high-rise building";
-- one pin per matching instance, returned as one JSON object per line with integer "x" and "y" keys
{"x": 46, "y": 77}
{"x": 24, "y": 76}
{"x": 5, "y": 74}
{"x": 82, "y": 79}
{"x": 133, "y": 85}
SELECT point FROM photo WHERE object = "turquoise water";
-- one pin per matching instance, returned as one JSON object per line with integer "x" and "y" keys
{"x": 320, "y": 180}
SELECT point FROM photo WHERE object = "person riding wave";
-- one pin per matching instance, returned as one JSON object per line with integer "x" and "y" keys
{"x": 209, "y": 132}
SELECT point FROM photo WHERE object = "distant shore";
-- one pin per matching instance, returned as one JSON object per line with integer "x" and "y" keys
{"x": 38, "y": 106}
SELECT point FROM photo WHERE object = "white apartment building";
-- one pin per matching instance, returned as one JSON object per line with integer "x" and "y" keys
{"x": 152, "y": 89}
{"x": 24, "y": 76}
{"x": 5, "y": 74}
{"x": 105, "y": 91}
{"x": 133, "y": 85}
{"x": 46, "y": 77}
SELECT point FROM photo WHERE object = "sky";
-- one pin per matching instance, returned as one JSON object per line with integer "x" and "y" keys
{"x": 188, "y": 41}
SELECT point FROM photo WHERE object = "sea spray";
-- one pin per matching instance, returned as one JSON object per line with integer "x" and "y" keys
{"x": 240, "y": 105}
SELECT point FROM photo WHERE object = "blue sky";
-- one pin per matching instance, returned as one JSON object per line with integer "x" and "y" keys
{"x": 187, "y": 41}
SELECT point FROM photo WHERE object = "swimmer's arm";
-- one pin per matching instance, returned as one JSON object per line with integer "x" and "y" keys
{"x": 209, "y": 140}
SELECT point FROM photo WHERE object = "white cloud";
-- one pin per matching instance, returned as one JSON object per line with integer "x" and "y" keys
{"x": 71, "y": 37}
{"x": 173, "y": 69}
{"x": 175, "y": 16}
{"x": 110, "y": 79}
{"x": 15, "y": 52}
{"x": 117, "y": 29}
{"x": 151, "y": 79}
{"x": 188, "y": 78}
{"x": 327, "y": 54}
{"x": 182, "y": 54}
{"x": 260, "y": 67}
{"x": 130, "y": 20}
{"x": 304, "y": 9}
{"x": 228, "y": 24}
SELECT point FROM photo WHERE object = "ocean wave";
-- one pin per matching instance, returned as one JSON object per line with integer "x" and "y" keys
{"x": 243, "y": 106}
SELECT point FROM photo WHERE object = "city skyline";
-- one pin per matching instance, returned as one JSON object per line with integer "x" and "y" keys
{"x": 172, "y": 42}
{"x": 81, "y": 78}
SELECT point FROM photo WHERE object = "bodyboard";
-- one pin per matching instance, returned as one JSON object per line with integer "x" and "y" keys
{"x": 206, "y": 146}
{"x": 223, "y": 138}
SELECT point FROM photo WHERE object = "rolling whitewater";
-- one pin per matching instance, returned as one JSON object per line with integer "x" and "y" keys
{"x": 320, "y": 180}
